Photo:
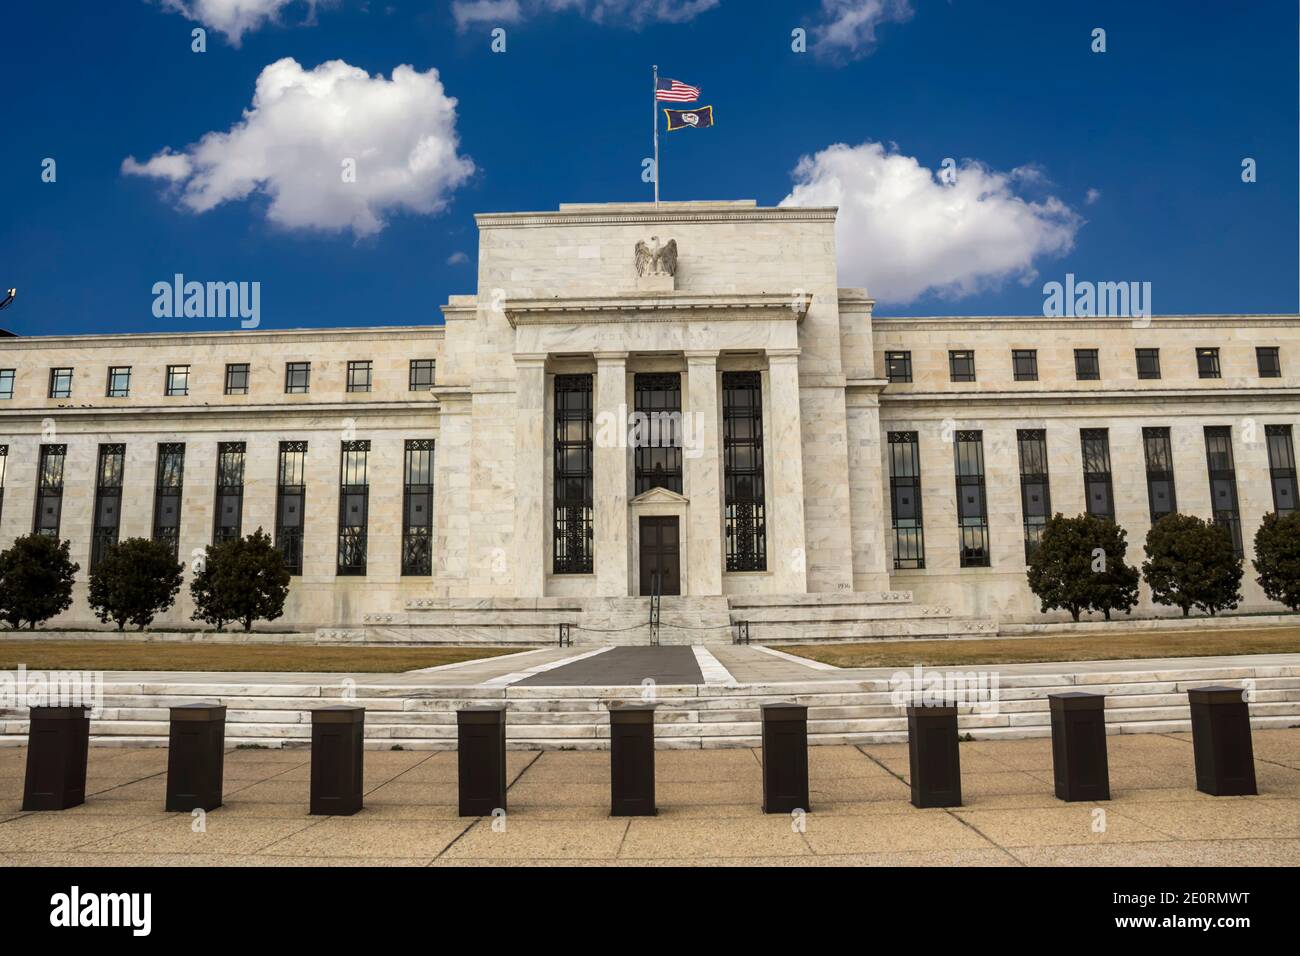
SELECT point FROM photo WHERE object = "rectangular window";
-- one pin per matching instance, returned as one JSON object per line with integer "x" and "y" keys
{"x": 237, "y": 378}
{"x": 1223, "y": 481}
{"x": 905, "y": 500}
{"x": 961, "y": 366}
{"x": 1087, "y": 367}
{"x": 571, "y": 524}
{"x": 359, "y": 376}
{"x": 60, "y": 383}
{"x": 1148, "y": 363}
{"x": 1098, "y": 492}
{"x": 898, "y": 366}
{"x": 6, "y": 383}
{"x": 354, "y": 507}
{"x": 108, "y": 501}
{"x": 49, "y": 490}
{"x": 1024, "y": 364}
{"x": 169, "y": 484}
{"x": 297, "y": 378}
{"x": 1035, "y": 490}
{"x": 972, "y": 510}
{"x": 227, "y": 523}
{"x": 1281, "y": 466}
{"x": 1269, "y": 360}
{"x": 4, "y": 466}
{"x": 744, "y": 516}
{"x": 421, "y": 375}
{"x": 417, "y": 508}
{"x": 658, "y": 440}
{"x": 290, "y": 503}
{"x": 1160, "y": 472}
{"x": 178, "y": 380}
{"x": 119, "y": 381}
{"x": 1207, "y": 363}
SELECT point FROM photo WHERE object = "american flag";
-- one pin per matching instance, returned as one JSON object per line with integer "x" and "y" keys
{"x": 675, "y": 91}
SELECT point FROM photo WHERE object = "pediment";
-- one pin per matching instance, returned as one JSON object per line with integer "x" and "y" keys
{"x": 659, "y": 496}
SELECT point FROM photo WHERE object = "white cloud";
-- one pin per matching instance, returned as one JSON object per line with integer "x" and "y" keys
{"x": 234, "y": 18}
{"x": 304, "y": 128}
{"x": 457, "y": 259}
{"x": 902, "y": 232}
{"x": 847, "y": 29}
{"x": 1093, "y": 196}
{"x": 620, "y": 13}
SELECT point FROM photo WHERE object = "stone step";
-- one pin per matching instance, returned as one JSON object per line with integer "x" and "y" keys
{"x": 822, "y": 598}
{"x": 797, "y": 632}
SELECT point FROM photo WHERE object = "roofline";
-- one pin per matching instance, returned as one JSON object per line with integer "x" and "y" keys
{"x": 216, "y": 338}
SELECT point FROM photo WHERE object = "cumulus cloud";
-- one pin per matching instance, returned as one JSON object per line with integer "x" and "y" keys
{"x": 457, "y": 259}
{"x": 1093, "y": 196}
{"x": 331, "y": 148}
{"x": 847, "y": 28}
{"x": 622, "y": 13}
{"x": 904, "y": 231}
{"x": 234, "y": 18}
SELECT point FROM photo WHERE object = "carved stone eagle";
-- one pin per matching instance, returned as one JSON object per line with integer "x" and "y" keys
{"x": 656, "y": 260}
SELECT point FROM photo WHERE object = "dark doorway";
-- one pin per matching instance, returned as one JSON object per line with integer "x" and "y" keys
{"x": 660, "y": 554}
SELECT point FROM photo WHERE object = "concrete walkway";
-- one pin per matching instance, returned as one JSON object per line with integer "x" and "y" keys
{"x": 709, "y": 812}
{"x": 624, "y": 667}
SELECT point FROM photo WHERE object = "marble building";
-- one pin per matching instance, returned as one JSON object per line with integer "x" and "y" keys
{"x": 637, "y": 397}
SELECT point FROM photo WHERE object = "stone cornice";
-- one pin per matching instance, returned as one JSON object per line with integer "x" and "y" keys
{"x": 130, "y": 414}
{"x": 1043, "y": 323}
{"x": 1132, "y": 396}
{"x": 648, "y": 214}
{"x": 670, "y": 307}
{"x": 234, "y": 337}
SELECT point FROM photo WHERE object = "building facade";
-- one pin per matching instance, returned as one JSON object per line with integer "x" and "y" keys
{"x": 676, "y": 398}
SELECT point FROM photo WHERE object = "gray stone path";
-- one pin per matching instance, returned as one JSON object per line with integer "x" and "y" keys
{"x": 624, "y": 666}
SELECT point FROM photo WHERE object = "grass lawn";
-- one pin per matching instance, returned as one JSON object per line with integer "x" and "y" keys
{"x": 1073, "y": 647}
{"x": 187, "y": 656}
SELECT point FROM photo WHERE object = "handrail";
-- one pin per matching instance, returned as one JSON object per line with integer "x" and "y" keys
{"x": 654, "y": 608}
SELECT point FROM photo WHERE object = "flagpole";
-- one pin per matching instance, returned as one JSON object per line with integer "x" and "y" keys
{"x": 654, "y": 108}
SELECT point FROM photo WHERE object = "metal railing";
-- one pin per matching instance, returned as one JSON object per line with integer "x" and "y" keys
{"x": 566, "y": 634}
{"x": 741, "y": 633}
{"x": 654, "y": 608}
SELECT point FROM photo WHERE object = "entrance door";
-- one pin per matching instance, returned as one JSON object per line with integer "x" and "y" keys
{"x": 660, "y": 554}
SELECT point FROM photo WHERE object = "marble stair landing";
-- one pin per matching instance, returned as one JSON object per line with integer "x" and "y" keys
{"x": 684, "y": 619}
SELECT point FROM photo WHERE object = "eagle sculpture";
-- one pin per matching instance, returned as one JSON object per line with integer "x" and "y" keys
{"x": 656, "y": 260}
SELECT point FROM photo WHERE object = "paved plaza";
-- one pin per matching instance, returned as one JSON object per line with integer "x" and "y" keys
{"x": 708, "y": 812}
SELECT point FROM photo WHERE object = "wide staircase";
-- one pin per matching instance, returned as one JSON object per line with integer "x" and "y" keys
{"x": 685, "y": 619}
{"x": 1141, "y": 698}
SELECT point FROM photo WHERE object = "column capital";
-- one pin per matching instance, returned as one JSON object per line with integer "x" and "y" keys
{"x": 702, "y": 356}
{"x": 782, "y": 355}
{"x": 523, "y": 359}
{"x": 610, "y": 358}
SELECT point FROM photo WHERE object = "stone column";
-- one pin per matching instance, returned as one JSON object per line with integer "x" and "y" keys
{"x": 530, "y": 492}
{"x": 703, "y": 467}
{"x": 787, "y": 557}
{"x": 611, "y": 474}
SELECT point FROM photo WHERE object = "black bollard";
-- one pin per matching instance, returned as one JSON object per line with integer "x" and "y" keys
{"x": 1079, "y": 761}
{"x": 337, "y": 759}
{"x": 1225, "y": 759}
{"x": 933, "y": 760}
{"x": 632, "y": 760}
{"x": 785, "y": 757}
{"x": 481, "y": 760}
{"x": 196, "y": 751}
{"x": 58, "y": 744}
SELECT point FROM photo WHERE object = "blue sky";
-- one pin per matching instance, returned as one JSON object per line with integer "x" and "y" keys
{"x": 1123, "y": 165}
